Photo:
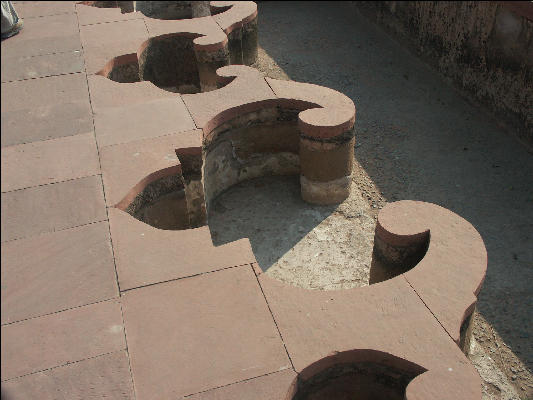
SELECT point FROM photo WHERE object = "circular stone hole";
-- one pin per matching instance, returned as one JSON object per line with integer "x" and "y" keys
{"x": 358, "y": 381}
{"x": 313, "y": 247}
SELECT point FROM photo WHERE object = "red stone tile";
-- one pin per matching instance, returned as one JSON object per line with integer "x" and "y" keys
{"x": 56, "y": 271}
{"x": 128, "y": 168}
{"x": 18, "y": 68}
{"x": 247, "y": 92}
{"x": 58, "y": 339}
{"x": 46, "y": 108}
{"x": 324, "y": 328}
{"x": 107, "y": 93}
{"x": 44, "y": 35}
{"x": 200, "y": 333}
{"x": 145, "y": 255}
{"x": 53, "y": 207}
{"x": 450, "y": 275}
{"x": 336, "y": 115}
{"x": 49, "y": 161}
{"x": 241, "y": 11}
{"x": 141, "y": 121}
{"x": 106, "y": 376}
{"x": 89, "y": 15}
{"x": 102, "y": 42}
{"x": 43, "y": 8}
{"x": 269, "y": 387}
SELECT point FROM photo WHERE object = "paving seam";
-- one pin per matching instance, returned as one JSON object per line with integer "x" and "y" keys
{"x": 45, "y": 76}
{"x": 183, "y": 277}
{"x": 56, "y": 230}
{"x": 60, "y": 311}
{"x": 106, "y": 208}
{"x": 235, "y": 383}
{"x": 62, "y": 365}
{"x": 273, "y": 318}
{"x": 51, "y": 183}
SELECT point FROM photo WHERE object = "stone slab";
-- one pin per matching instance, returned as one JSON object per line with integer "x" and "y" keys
{"x": 145, "y": 255}
{"x": 102, "y": 42}
{"x": 89, "y": 15}
{"x": 141, "y": 121}
{"x": 49, "y": 161}
{"x": 106, "y": 376}
{"x": 324, "y": 328}
{"x": 269, "y": 387}
{"x": 200, "y": 333}
{"x": 106, "y": 93}
{"x": 43, "y": 8}
{"x": 44, "y": 35}
{"x": 19, "y": 68}
{"x": 246, "y": 90}
{"x": 58, "y": 339}
{"x": 53, "y": 272}
{"x": 128, "y": 168}
{"x": 45, "y": 108}
{"x": 52, "y": 207}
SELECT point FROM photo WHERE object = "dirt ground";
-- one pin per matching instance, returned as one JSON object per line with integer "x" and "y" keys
{"x": 417, "y": 138}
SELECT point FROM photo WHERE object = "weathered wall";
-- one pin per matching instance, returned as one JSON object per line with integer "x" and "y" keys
{"x": 485, "y": 47}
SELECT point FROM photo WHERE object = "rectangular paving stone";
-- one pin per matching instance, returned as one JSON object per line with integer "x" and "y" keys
{"x": 106, "y": 376}
{"x": 140, "y": 121}
{"x": 88, "y": 15}
{"x": 52, "y": 207}
{"x": 57, "y": 339}
{"x": 125, "y": 166}
{"x": 18, "y": 68}
{"x": 31, "y": 9}
{"x": 44, "y": 35}
{"x": 145, "y": 255}
{"x": 49, "y": 161}
{"x": 45, "y": 108}
{"x": 57, "y": 271}
{"x": 269, "y": 387}
{"x": 200, "y": 333}
{"x": 103, "y": 42}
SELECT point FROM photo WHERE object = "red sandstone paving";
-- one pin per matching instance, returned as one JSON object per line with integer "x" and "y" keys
{"x": 53, "y": 272}
{"x": 269, "y": 387}
{"x": 106, "y": 376}
{"x": 106, "y": 93}
{"x": 19, "y": 68}
{"x": 200, "y": 333}
{"x": 128, "y": 168}
{"x": 52, "y": 207}
{"x": 141, "y": 121}
{"x": 388, "y": 317}
{"x": 145, "y": 255}
{"x": 103, "y": 42}
{"x": 49, "y": 161}
{"x": 89, "y": 15}
{"x": 58, "y": 339}
{"x": 242, "y": 11}
{"x": 46, "y": 108}
{"x": 447, "y": 281}
{"x": 249, "y": 86}
{"x": 43, "y": 8}
{"x": 44, "y": 35}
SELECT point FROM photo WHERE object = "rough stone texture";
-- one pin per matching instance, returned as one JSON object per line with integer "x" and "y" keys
{"x": 197, "y": 343}
{"x": 57, "y": 271}
{"x": 43, "y": 8}
{"x": 52, "y": 207}
{"x": 49, "y": 161}
{"x": 145, "y": 255}
{"x": 484, "y": 47}
{"x": 99, "y": 377}
{"x": 58, "y": 339}
{"x": 47, "y": 108}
